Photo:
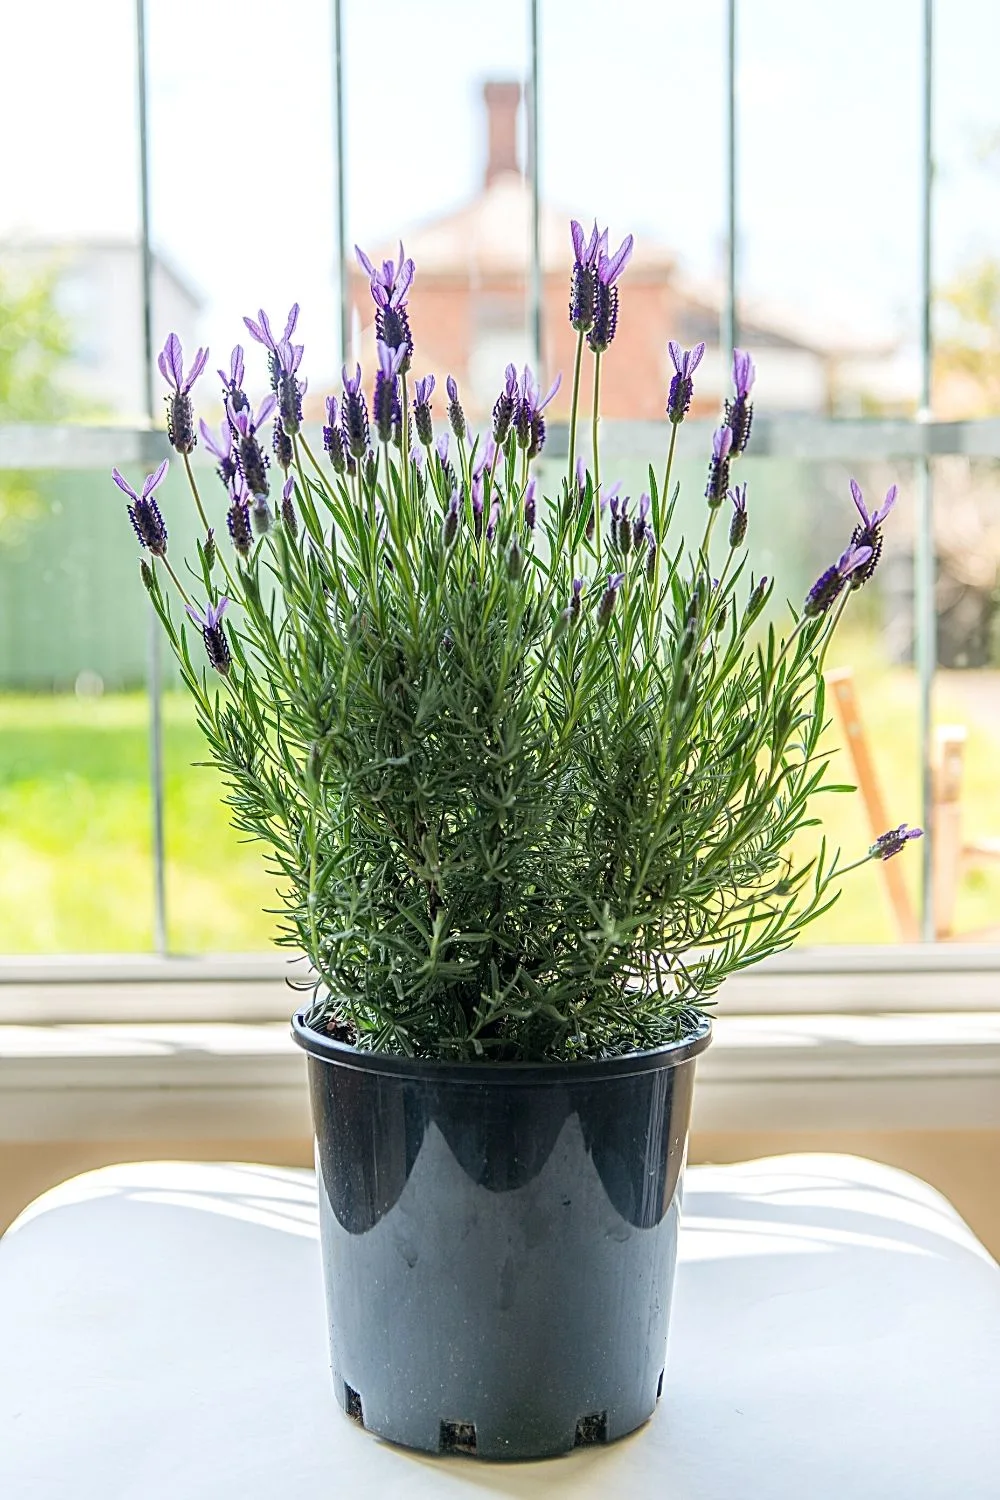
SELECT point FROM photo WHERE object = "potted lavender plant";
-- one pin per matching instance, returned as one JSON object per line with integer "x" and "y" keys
{"x": 529, "y": 769}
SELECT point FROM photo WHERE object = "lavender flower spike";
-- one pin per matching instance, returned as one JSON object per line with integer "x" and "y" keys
{"x": 390, "y": 285}
{"x": 456, "y": 416}
{"x": 180, "y": 413}
{"x": 739, "y": 412}
{"x": 385, "y": 399}
{"x": 333, "y": 440}
{"x": 529, "y": 424}
{"x": 685, "y": 362}
{"x": 252, "y": 461}
{"x": 530, "y": 504}
{"x": 827, "y": 588}
{"x": 606, "y": 606}
{"x": 422, "y": 420}
{"x": 605, "y": 324}
{"x": 718, "y": 468}
{"x": 144, "y": 513}
{"x": 289, "y": 519}
{"x": 640, "y": 524}
{"x": 869, "y": 533}
{"x": 214, "y": 634}
{"x": 354, "y": 415}
{"x": 893, "y": 842}
{"x": 233, "y": 393}
{"x": 449, "y": 526}
{"x": 738, "y": 525}
{"x": 505, "y": 408}
{"x": 220, "y": 448}
{"x": 583, "y": 283}
{"x": 238, "y": 516}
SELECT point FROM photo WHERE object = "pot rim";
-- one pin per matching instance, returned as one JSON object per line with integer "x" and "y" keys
{"x": 671, "y": 1055}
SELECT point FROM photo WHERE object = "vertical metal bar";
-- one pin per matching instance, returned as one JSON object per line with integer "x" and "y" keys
{"x": 154, "y": 660}
{"x": 339, "y": 164}
{"x": 728, "y": 329}
{"x": 924, "y": 558}
{"x": 533, "y": 178}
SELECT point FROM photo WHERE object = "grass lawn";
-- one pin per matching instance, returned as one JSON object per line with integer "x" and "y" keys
{"x": 75, "y": 866}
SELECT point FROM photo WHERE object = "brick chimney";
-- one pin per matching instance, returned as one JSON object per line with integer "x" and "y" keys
{"x": 502, "y": 102}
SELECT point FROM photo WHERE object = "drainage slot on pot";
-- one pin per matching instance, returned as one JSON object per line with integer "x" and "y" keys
{"x": 458, "y": 1437}
{"x": 592, "y": 1429}
{"x": 352, "y": 1404}
{"x": 659, "y": 1386}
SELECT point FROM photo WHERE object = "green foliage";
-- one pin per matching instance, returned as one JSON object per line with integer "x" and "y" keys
{"x": 503, "y": 827}
{"x": 34, "y": 343}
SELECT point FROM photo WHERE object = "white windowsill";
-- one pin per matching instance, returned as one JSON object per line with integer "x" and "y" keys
{"x": 205, "y": 1081}
{"x": 253, "y": 987}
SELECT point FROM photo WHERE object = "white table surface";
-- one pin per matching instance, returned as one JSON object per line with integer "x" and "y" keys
{"x": 836, "y": 1333}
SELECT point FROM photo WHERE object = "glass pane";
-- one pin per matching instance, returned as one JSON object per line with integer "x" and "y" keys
{"x": 453, "y": 188}
{"x": 75, "y": 865}
{"x": 655, "y": 167}
{"x": 829, "y": 163}
{"x": 967, "y": 699}
{"x": 69, "y": 210}
{"x": 966, "y": 210}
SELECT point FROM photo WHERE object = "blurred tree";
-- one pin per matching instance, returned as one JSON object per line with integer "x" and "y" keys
{"x": 967, "y": 356}
{"x": 35, "y": 342}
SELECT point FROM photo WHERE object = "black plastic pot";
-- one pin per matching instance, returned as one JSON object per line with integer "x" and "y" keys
{"x": 499, "y": 1242}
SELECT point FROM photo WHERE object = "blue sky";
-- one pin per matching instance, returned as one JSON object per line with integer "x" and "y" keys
{"x": 632, "y": 113}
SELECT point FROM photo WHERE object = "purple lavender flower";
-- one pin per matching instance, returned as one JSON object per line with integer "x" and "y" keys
{"x": 530, "y": 504}
{"x": 354, "y": 415}
{"x": 456, "y": 416}
{"x": 333, "y": 440}
{"x": 180, "y": 412}
{"x": 283, "y": 361}
{"x": 484, "y": 460}
{"x": 252, "y": 460}
{"x": 624, "y": 529}
{"x": 282, "y": 445}
{"x": 422, "y": 420}
{"x": 739, "y": 412}
{"x": 288, "y": 517}
{"x": 238, "y": 516}
{"x": 576, "y": 598}
{"x": 505, "y": 408}
{"x": 606, "y": 607}
{"x": 606, "y": 500}
{"x": 529, "y": 424}
{"x": 493, "y": 521}
{"x": 609, "y": 268}
{"x": 738, "y": 525}
{"x": 233, "y": 394}
{"x": 220, "y": 448}
{"x": 639, "y": 525}
{"x": 390, "y": 285}
{"x": 718, "y": 468}
{"x": 449, "y": 527}
{"x": 893, "y": 842}
{"x": 758, "y": 593}
{"x": 685, "y": 362}
{"x": 385, "y": 399}
{"x": 614, "y": 505}
{"x": 649, "y": 537}
{"x": 144, "y": 513}
{"x": 477, "y": 506}
{"x": 869, "y": 533}
{"x": 827, "y": 588}
{"x": 583, "y": 278}
{"x": 214, "y": 634}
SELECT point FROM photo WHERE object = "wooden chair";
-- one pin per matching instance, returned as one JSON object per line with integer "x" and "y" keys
{"x": 951, "y": 855}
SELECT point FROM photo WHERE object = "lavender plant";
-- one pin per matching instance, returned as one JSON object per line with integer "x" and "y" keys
{"x": 529, "y": 769}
